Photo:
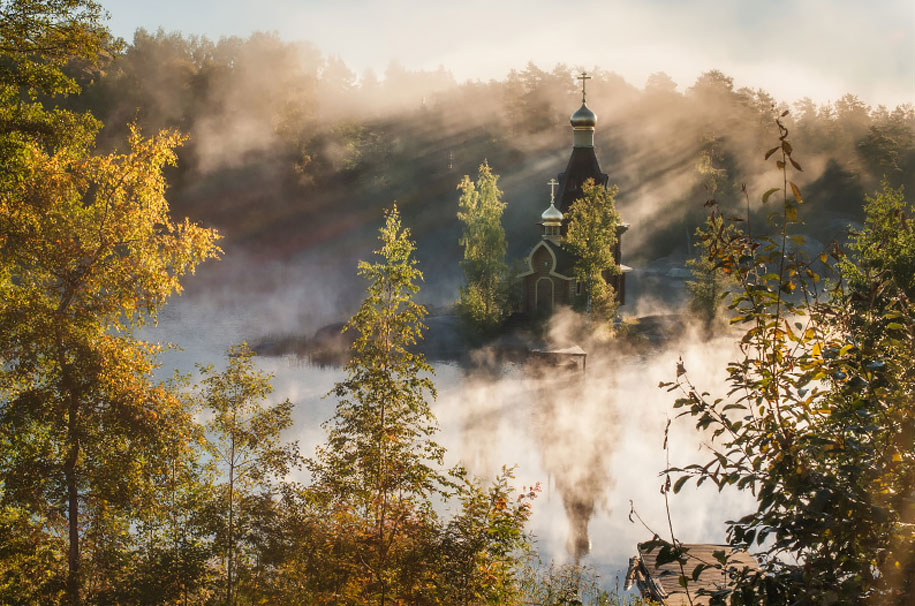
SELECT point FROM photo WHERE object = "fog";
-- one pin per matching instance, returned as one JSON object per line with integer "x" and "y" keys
{"x": 592, "y": 439}
{"x": 293, "y": 157}
{"x": 792, "y": 50}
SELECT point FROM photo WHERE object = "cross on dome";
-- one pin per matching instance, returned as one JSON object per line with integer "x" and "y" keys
{"x": 584, "y": 77}
{"x": 551, "y": 217}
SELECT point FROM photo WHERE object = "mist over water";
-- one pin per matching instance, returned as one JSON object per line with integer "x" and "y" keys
{"x": 592, "y": 439}
{"x": 293, "y": 157}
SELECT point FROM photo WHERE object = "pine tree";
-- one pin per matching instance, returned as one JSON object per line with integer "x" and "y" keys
{"x": 484, "y": 298}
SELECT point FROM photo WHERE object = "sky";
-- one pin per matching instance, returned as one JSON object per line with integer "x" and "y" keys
{"x": 820, "y": 49}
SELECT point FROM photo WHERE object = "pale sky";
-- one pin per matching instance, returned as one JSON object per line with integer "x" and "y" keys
{"x": 791, "y": 48}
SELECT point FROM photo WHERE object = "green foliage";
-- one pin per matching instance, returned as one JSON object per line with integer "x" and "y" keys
{"x": 369, "y": 522}
{"x": 383, "y": 418}
{"x": 818, "y": 422}
{"x": 103, "y": 478}
{"x": 592, "y": 238}
{"x": 378, "y": 469}
{"x": 710, "y": 282}
{"x": 244, "y": 441}
{"x": 885, "y": 245}
{"x": 484, "y": 302}
{"x": 299, "y": 124}
{"x": 480, "y": 554}
{"x": 32, "y": 567}
{"x": 38, "y": 38}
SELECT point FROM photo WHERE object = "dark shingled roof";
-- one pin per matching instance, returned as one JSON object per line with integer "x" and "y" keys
{"x": 565, "y": 261}
{"x": 662, "y": 583}
{"x": 582, "y": 166}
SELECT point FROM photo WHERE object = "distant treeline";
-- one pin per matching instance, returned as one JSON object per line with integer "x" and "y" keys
{"x": 291, "y": 152}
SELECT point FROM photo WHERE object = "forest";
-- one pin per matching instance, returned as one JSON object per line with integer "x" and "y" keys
{"x": 289, "y": 150}
{"x": 127, "y": 167}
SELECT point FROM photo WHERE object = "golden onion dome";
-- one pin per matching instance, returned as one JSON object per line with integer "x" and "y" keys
{"x": 551, "y": 214}
{"x": 583, "y": 118}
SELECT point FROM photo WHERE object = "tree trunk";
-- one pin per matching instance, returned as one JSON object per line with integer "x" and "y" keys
{"x": 231, "y": 549}
{"x": 73, "y": 560}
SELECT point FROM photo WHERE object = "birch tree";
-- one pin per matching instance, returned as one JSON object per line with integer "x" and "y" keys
{"x": 246, "y": 446}
{"x": 89, "y": 253}
{"x": 591, "y": 237}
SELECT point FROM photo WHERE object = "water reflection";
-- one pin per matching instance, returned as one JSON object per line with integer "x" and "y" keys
{"x": 575, "y": 436}
{"x": 592, "y": 439}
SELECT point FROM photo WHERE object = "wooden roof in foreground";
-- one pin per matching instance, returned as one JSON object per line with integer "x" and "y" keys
{"x": 662, "y": 583}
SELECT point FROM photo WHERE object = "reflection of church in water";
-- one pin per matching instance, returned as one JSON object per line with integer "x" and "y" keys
{"x": 549, "y": 279}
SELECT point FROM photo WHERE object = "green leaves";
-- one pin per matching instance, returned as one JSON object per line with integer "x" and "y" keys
{"x": 811, "y": 424}
{"x": 591, "y": 237}
{"x": 484, "y": 301}
{"x": 768, "y": 194}
{"x": 711, "y": 280}
{"x": 680, "y": 483}
{"x": 37, "y": 40}
{"x": 244, "y": 443}
{"x": 380, "y": 461}
{"x": 89, "y": 253}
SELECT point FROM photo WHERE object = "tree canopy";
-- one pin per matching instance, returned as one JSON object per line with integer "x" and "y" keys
{"x": 592, "y": 234}
{"x": 818, "y": 420}
{"x": 484, "y": 298}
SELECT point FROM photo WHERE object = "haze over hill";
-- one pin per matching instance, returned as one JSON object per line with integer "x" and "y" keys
{"x": 792, "y": 49}
{"x": 503, "y": 447}
{"x": 292, "y": 156}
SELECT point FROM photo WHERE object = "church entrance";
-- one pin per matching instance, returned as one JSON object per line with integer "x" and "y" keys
{"x": 543, "y": 301}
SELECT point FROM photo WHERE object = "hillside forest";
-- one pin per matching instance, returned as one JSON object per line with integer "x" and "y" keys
{"x": 290, "y": 152}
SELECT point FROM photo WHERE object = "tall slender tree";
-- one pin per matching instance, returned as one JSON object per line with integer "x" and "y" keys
{"x": 246, "y": 446}
{"x": 379, "y": 467}
{"x": 484, "y": 297}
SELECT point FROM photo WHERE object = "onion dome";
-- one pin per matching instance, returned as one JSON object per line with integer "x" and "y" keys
{"x": 583, "y": 118}
{"x": 551, "y": 220}
{"x": 551, "y": 215}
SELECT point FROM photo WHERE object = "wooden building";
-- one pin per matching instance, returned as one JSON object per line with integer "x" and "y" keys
{"x": 549, "y": 280}
{"x": 572, "y": 358}
{"x": 662, "y": 583}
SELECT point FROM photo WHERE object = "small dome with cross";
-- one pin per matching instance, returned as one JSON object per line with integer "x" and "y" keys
{"x": 551, "y": 215}
{"x": 583, "y": 118}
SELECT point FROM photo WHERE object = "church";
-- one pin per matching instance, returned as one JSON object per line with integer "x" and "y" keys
{"x": 549, "y": 279}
